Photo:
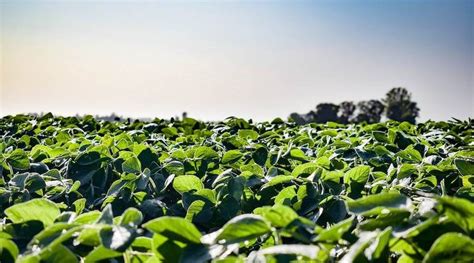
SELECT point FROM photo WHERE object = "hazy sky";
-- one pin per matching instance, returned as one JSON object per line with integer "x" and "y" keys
{"x": 255, "y": 59}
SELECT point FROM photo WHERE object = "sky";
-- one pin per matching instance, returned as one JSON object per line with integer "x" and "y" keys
{"x": 214, "y": 59}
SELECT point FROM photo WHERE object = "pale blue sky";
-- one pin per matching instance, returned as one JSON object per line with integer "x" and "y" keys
{"x": 213, "y": 59}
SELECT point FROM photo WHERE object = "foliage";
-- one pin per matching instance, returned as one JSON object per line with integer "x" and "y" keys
{"x": 326, "y": 112}
{"x": 346, "y": 111}
{"x": 87, "y": 190}
{"x": 396, "y": 105}
{"x": 369, "y": 111}
{"x": 399, "y": 106}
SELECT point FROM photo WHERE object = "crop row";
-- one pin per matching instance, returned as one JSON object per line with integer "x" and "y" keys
{"x": 78, "y": 189}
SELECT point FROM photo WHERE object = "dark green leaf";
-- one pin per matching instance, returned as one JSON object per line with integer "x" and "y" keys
{"x": 451, "y": 247}
{"x": 174, "y": 228}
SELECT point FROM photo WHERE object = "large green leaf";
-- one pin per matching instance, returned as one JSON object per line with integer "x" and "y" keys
{"x": 37, "y": 209}
{"x": 132, "y": 165}
{"x": 131, "y": 217}
{"x": 174, "y": 228}
{"x": 88, "y": 158}
{"x": 205, "y": 153}
{"x": 304, "y": 170}
{"x": 465, "y": 166}
{"x": 60, "y": 254}
{"x": 359, "y": 174}
{"x": 281, "y": 179}
{"x": 242, "y": 228}
{"x": 187, "y": 183}
{"x": 8, "y": 250}
{"x": 376, "y": 203}
{"x": 379, "y": 249}
{"x": 199, "y": 211}
{"x": 18, "y": 159}
{"x": 51, "y": 233}
{"x": 101, "y": 253}
{"x": 410, "y": 154}
{"x": 459, "y": 210}
{"x": 335, "y": 232}
{"x": 231, "y": 156}
{"x": 451, "y": 247}
{"x": 386, "y": 217}
{"x": 248, "y": 134}
{"x": 277, "y": 215}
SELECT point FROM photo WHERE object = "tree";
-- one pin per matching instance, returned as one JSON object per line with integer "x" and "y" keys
{"x": 326, "y": 112}
{"x": 369, "y": 111}
{"x": 346, "y": 111}
{"x": 297, "y": 118}
{"x": 399, "y": 106}
{"x": 310, "y": 116}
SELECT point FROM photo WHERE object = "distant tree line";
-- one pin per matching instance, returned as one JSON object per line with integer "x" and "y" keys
{"x": 397, "y": 105}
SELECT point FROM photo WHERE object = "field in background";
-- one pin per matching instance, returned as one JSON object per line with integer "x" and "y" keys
{"x": 79, "y": 189}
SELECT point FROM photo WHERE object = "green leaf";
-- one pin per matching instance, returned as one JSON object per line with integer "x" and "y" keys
{"x": 248, "y": 134}
{"x": 406, "y": 170}
{"x": 278, "y": 215}
{"x": 132, "y": 217}
{"x": 231, "y": 156}
{"x": 101, "y": 253}
{"x": 379, "y": 250}
{"x": 60, "y": 254}
{"x": 386, "y": 217}
{"x": 465, "y": 166}
{"x": 359, "y": 174}
{"x": 410, "y": 154}
{"x": 36, "y": 209}
{"x": 30, "y": 181}
{"x": 187, "y": 183}
{"x": 202, "y": 253}
{"x": 132, "y": 165}
{"x": 89, "y": 236}
{"x": 260, "y": 156}
{"x": 241, "y": 228}
{"x": 79, "y": 205}
{"x": 308, "y": 251}
{"x": 286, "y": 195}
{"x": 174, "y": 228}
{"x": 281, "y": 179}
{"x": 8, "y": 250}
{"x": 376, "y": 203}
{"x": 18, "y": 159}
{"x": 34, "y": 182}
{"x": 335, "y": 232}
{"x": 451, "y": 247}
{"x": 304, "y": 170}
{"x": 199, "y": 211}
{"x": 88, "y": 217}
{"x": 460, "y": 211}
{"x": 356, "y": 251}
{"x": 298, "y": 154}
{"x": 116, "y": 237}
{"x": 88, "y": 158}
{"x": 107, "y": 216}
{"x": 51, "y": 233}
{"x": 205, "y": 153}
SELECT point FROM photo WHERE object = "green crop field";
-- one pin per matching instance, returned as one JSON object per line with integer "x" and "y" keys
{"x": 84, "y": 190}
